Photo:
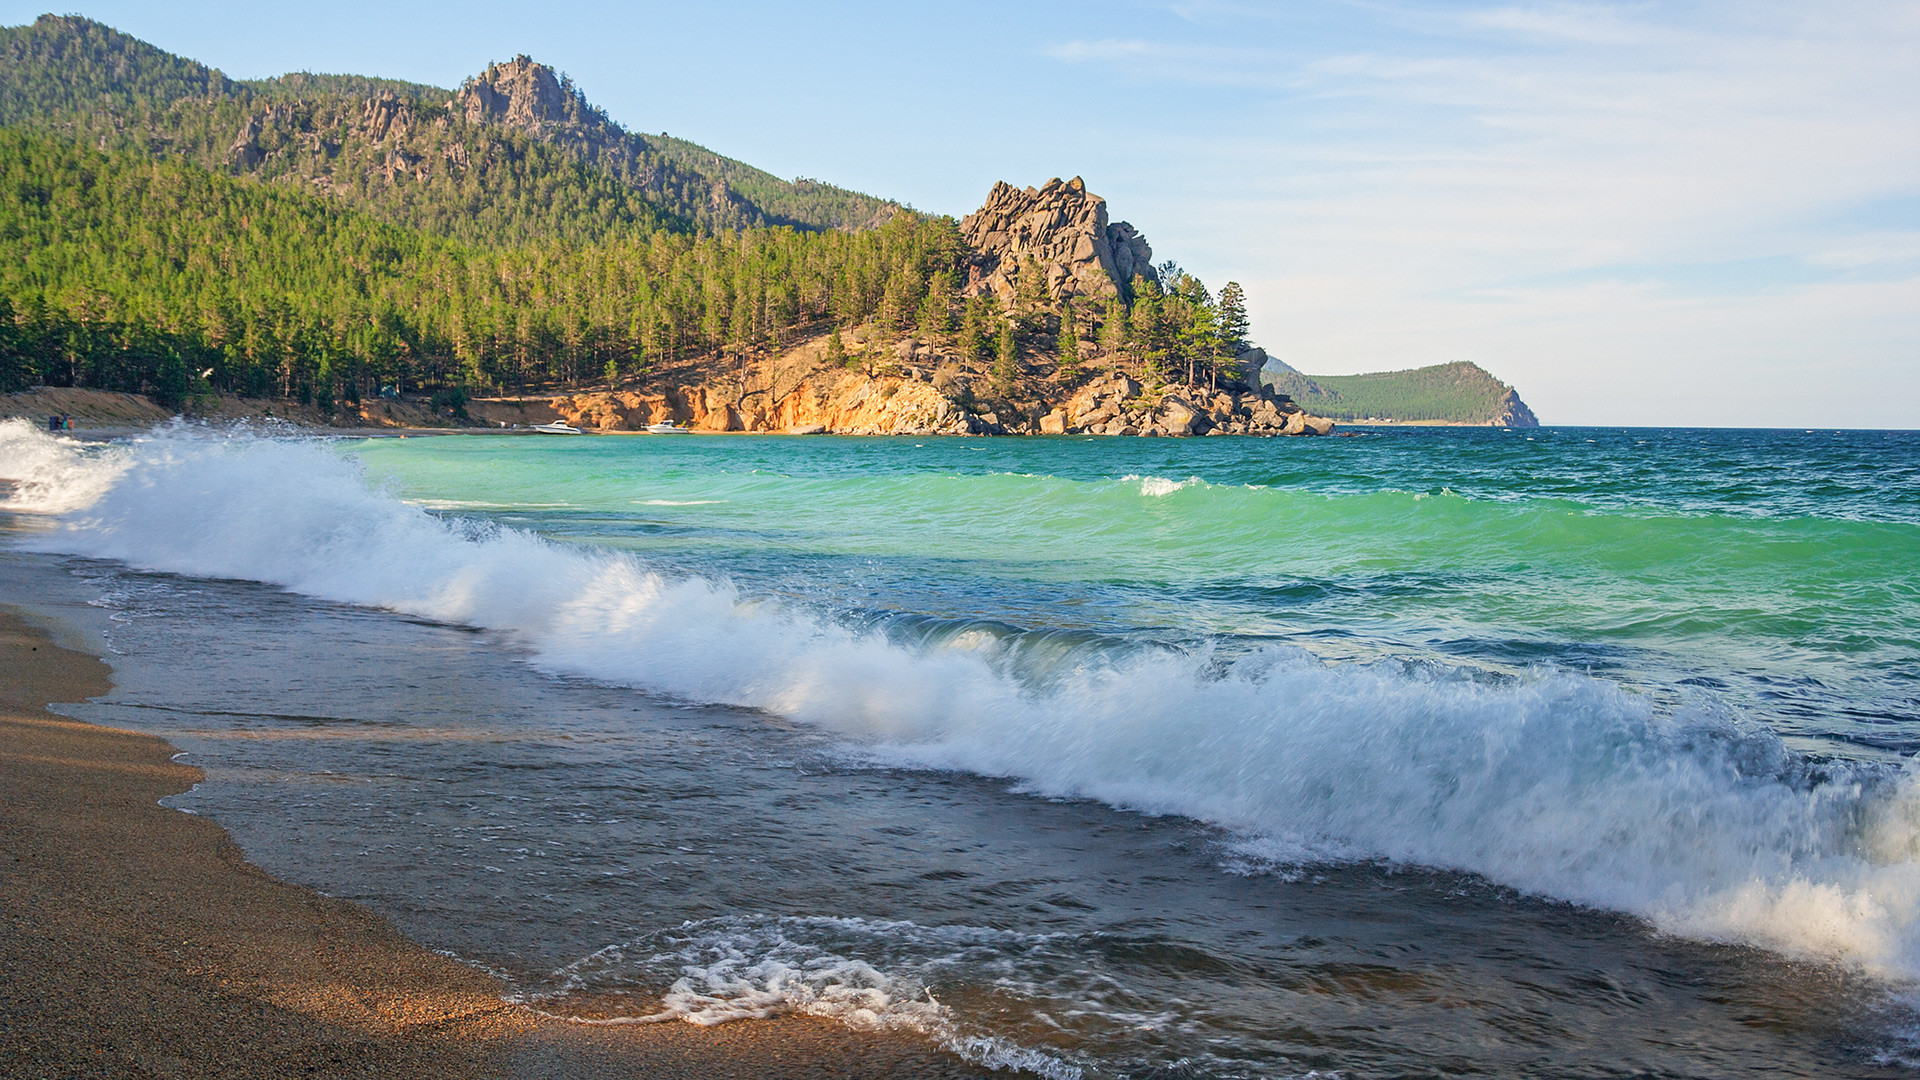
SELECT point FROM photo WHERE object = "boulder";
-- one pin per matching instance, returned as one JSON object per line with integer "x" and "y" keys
{"x": 807, "y": 429}
{"x": 1054, "y": 423}
{"x": 1177, "y": 417}
{"x": 1251, "y": 363}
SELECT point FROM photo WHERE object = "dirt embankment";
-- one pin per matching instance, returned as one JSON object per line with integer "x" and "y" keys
{"x": 111, "y": 411}
{"x": 905, "y": 388}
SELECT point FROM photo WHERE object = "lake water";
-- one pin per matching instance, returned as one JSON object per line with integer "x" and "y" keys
{"x": 1425, "y": 752}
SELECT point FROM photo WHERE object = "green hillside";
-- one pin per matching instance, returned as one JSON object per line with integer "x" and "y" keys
{"x": 1461, "y": 393}
{"x": 410, "y": 154}
{"x": 121, "y": 272}
{"x": 167, "y": 229}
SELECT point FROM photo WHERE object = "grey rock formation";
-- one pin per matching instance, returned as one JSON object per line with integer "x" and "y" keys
{"x": 519, "y": 93}
{"x": 1063, "y": 229}
{"x": 1514, "y": 413}
{"x": 1114, "y": 404}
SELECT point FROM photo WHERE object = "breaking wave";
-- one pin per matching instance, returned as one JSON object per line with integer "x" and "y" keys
{"x": 1555, "y": 784}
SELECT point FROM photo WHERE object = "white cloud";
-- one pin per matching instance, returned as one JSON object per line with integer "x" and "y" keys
{"x": 1569, "y": 192}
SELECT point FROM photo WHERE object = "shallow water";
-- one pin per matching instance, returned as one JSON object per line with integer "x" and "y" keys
{"x": 1421, "y": 753}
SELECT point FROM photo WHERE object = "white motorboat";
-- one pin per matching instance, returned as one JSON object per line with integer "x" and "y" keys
{"x": 556, "y": 428}
{"x": 668, "y": 429}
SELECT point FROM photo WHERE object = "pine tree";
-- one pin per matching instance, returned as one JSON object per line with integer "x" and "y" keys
{"x": 936, "y": 317}
{"x": 1067, "y": 342}
{"x": 836, "y": 349}
{"x": 1232, "y": 310}
{"x": 1201, "y": 343}
{"x": 1006, "y": 362}
{"x": 1113, "y": 329}
{"x": 1030, "y": 292}
{"x": 973, "y": 328}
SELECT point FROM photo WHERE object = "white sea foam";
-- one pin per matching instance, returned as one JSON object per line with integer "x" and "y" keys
{"x": 1159, "y": 487}
{"x": 740, "y": 968}
{"x": 1561, "y": 785}
{"x": 53, "y": 473}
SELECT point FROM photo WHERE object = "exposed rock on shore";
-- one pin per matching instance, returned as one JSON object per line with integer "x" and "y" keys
{"x": 843, "y": 402}
{"x": 1117, "y": 405}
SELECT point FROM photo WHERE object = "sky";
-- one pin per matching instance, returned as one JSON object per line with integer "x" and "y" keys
{"x": 1635, "y": 213}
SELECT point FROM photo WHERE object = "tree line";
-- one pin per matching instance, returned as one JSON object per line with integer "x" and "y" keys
{"x": 121, "y": 272}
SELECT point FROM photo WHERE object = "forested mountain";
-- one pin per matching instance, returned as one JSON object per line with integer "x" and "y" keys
{"x": 122, "y": 272}
{"x": 1456, "y": 393}
{"x": 517, "y": 153}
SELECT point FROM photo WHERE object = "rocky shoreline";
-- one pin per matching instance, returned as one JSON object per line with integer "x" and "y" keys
{"x": 855, "y": 404}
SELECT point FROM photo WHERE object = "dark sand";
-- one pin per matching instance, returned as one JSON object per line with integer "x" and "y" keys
{"x": 137, "y": 941}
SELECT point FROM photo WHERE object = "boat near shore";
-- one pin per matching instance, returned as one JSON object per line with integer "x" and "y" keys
{"x": 556, "y": 428}
{"x": 668, "y": 428}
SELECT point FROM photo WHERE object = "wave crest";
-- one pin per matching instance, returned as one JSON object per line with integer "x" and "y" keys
{"x": 1555, "y": 784}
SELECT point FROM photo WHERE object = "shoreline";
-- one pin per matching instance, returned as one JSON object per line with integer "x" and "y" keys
{"x": 140, "y": 941}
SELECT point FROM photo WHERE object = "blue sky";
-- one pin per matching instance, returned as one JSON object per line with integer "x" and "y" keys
{"x": 1718, "y": 203}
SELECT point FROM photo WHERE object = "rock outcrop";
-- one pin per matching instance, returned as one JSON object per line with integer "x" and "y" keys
{"x": 370, "y": 143}
{"x": 1117, "y": 405}
{"x": 850, "y": 403}
{"x": 518, "y": 93}
{"x": 1063, "y": 229}
{"x": 1514, "y": 413}
{"x": 843, "y": 403}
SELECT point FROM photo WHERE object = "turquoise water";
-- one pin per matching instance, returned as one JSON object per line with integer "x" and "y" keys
{"x": 1769, "y": 571}
{"x": 1571, "y": 752}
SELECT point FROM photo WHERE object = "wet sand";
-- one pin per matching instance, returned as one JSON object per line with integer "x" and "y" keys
{"x": 137, "y": 941}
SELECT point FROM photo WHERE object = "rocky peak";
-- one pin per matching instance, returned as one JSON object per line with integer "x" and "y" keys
{"x": 386, "y": 113}
{"x": 1061, "y": 226}
{"x": 520, "y": 93}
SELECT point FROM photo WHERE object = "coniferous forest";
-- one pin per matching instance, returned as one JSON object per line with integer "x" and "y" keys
{"x": 122, "y": 272}
{"x": 165, "y": 229}
{"x": 294, "y": 263}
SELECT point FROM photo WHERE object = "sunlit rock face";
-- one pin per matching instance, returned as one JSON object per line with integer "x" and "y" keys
{"x": 520, "y": 93}
{"x": 1063, "y": 229}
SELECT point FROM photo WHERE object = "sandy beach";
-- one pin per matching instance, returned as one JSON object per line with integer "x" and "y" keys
{"x": 139, "y": 942}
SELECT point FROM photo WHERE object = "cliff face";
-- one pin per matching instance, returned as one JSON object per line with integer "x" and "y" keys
{"x": 799, "y": 393}
{"x": 1063, "y": 228}
{"x": 1514, "y": 413}
{"x": 518, "y": 93}
{"x": 845, "y": 403}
